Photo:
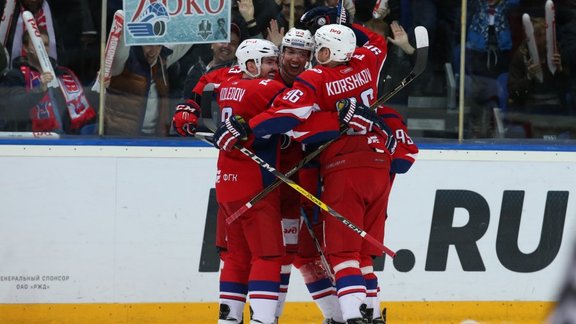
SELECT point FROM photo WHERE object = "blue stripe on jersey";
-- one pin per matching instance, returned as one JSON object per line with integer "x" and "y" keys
{"x": 261, "y": 285}
{"x": 274, "y": 97}
{"x": 306, "y": 83}
{"x": 276, "y": 125}
{"x": 400, "y": 166}
{"x": 233, "y": 287}
{"x": 347, "y": 281}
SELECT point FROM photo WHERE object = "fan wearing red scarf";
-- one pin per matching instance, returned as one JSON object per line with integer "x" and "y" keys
{"x": 31, "y": 106}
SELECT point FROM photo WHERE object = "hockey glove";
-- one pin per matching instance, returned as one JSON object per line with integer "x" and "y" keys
{"x": 185, "y": 120}
{"x": 363, "y": 120}
{"x": 322, "y": 15}
{"x": 352, "y": 114}
{"x": 232, "y": 130}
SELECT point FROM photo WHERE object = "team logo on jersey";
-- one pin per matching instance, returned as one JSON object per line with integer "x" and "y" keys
{"x": 346, "y": 70}
{"x": 151, "y": 22}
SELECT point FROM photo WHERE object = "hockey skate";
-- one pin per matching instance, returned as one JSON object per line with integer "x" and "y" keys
{"x": 331, "y": 321}
{"x": 223, "y": 316}
{"x": 382, "y": 319}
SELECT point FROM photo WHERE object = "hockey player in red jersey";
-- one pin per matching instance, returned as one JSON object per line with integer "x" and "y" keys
{"x": 355, "y": 168}
{"x": 402, "y": 160}
{"x": 255, "y": 241}
{"x": 296, "y": 53}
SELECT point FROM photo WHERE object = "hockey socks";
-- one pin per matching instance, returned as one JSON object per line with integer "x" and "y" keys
{"x": 284, "y": 282}
{"x": 232, "y": 301}
{"x": 321, "y": 289}
{"x": 372, "y": 289}
{"x": 264, "y": 288}
{"x": 350, "y": 287}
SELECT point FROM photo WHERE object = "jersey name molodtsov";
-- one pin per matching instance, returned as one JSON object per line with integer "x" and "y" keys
{"x": 349, "y": 83}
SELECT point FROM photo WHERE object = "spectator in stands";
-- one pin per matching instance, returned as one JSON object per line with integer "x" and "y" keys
{"x": 488, "y": 51}
{"x": 137, "y": 99}
{"x": 399, "y": 60}
{"x": 30, "y": 105}
{"x": 442, "y": 20}
{"x": 256, "y": 15}
{"x": 566, "y": 28}
{"x": 223, "y": 55}
{"x": 527, "y": 93}
{"x": 44, "y": 20}
{"x": 79, "y": 47}
{"x": 389, "y": 11}
{"x": 283, "y": 17}
{"x": 348, "y": 4}
{"x": 535, "y": 92}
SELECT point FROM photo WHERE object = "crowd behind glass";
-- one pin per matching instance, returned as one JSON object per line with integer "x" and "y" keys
{"x": 505, "y": 93}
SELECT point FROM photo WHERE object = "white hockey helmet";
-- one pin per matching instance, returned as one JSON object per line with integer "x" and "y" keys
{"x": 255, "y": 49}
{"x": 299, "y": 38}
{"x": 340, "y": 39}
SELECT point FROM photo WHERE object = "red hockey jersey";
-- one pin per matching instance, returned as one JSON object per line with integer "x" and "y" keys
{"x": 217, "y": 77}
{"x": 406, "y": 150}
{"x": 319, "y": 89}
{"x": 240, "y": 178}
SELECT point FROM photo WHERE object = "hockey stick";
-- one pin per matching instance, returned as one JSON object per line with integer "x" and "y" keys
{"x": 313, "y": 199}
{"x": 419, "y": 66}
{"x": 323, "y": 259}
{"x": 265, "y": 165}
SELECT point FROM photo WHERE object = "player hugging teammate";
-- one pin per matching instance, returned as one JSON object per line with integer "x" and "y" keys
{"x": 330, "y": 102}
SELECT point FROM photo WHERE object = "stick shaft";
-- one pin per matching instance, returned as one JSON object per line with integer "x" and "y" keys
{"x": 315, "y": 200}
{"x": 323, "y": 259}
